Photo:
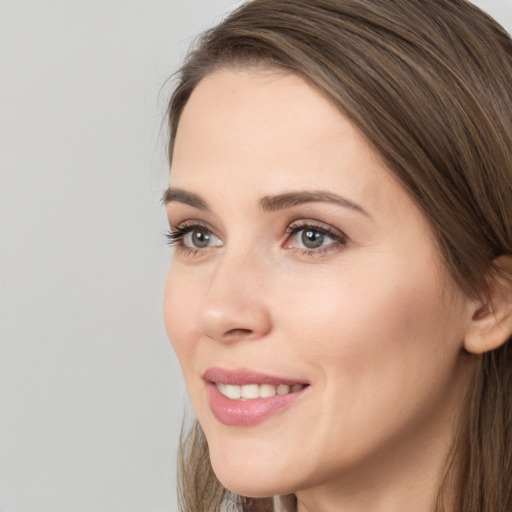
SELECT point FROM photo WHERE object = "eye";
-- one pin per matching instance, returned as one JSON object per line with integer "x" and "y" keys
{"x": 314, "y": 238}
{"x": 199, "y": 239}
{"x": 193, "y": 236}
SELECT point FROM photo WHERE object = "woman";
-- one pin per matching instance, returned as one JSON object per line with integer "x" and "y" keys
{"x": 340, "y": 296}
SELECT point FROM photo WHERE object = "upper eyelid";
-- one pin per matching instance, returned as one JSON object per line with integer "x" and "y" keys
{"x": 320, "y": 226}
{"x": 310, "y": 223}
{"x": 189, "y": 224}
{"x": 294, "y": 225}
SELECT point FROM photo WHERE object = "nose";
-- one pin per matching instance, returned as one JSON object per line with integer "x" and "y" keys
{"x": 235, "y": 306}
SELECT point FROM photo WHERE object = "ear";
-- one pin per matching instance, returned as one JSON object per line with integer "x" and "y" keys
{"x": 491, "y": 324}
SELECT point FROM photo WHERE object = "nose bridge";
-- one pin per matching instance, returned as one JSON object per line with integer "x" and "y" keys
{"x": 235, "y": 305}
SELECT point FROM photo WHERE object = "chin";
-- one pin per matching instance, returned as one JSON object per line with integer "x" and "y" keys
{"x": 244, "y": 486}
{"x": 247, "y": 477}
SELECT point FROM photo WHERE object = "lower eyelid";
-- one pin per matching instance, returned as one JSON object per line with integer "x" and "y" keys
{"x": 336, "y": 245}
{"x": 189, "y": 252}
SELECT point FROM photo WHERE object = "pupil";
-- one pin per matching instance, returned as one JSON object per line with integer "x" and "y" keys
{"x": 201, "y": 239}
{"x": 312, "y": 239}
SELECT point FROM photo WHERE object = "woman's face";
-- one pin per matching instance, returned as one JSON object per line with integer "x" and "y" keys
{"x": 305, "y": 279}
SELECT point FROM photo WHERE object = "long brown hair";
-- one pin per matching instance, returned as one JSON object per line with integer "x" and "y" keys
{"x": 429, "y": 83}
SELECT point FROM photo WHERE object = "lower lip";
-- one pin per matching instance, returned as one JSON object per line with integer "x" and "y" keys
{"x": 245, "y": 413}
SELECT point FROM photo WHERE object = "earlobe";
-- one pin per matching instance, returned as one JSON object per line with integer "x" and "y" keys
{"x": 491, "y": 324}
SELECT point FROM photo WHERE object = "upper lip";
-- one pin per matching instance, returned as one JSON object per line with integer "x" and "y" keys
{"x": 242, "y": 376}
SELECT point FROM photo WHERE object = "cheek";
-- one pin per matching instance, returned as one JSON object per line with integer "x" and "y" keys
{"x": 180, "y": 309}
{"x": 357, "y": 305}
{"x": 375, "y": 332}
{"x": 383, "y": 351}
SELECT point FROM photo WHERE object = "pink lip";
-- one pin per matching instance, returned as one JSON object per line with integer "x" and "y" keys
{"x": 240, "y": 377}
{"x": 244, "y": 413}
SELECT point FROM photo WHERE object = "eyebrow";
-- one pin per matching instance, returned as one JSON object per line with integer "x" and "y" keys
{"x": 268, "y": 203}
{"x": 183, "y": 196}
{"x": 290, "y": 199}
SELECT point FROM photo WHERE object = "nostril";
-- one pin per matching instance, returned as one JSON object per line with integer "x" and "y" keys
{"x": 238, "y": 332}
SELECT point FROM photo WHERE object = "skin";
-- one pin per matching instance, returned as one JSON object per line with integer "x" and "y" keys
{"x": 371, "y": 319}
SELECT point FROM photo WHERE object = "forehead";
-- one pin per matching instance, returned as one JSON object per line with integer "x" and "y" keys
{"x": 268, "y": 131}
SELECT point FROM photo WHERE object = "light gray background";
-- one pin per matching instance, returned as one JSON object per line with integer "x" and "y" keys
{"x": 91, "y": 394}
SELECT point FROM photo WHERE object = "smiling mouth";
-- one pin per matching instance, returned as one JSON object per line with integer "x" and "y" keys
{"x": 254, "y": 391}
{"x": 244, "y": 398}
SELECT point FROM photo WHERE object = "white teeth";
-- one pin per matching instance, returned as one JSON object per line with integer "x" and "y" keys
{"x": 283, "y": 389}
{"x": 250, "y": 391}
{"x": 267, "y": 390}
{"x": 253, "y": 391}
{"x": 232, "y": 392}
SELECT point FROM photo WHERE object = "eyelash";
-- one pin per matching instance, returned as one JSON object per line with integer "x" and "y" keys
{"x": 339, "y": 238}
{"x": 175, "y": 237}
